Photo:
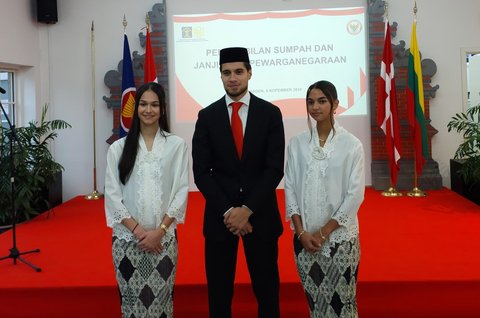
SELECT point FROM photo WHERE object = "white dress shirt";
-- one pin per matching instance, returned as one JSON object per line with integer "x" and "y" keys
{"x": 242, "y": 112}
{"x": 323, "y": 183}
{"x": 158, "y": 185}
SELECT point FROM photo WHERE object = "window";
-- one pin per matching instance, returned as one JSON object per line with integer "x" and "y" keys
{"x": 7, "y": 99}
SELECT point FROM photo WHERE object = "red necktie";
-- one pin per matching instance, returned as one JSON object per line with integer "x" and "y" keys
{"x": 237, "y": 127}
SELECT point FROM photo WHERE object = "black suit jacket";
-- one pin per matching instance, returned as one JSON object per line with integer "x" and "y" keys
{"x": 226, "y": 181}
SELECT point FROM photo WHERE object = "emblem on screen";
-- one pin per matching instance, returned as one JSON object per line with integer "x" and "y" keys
{"x": 193, "y": 33}
{"x": 354, "y": 27}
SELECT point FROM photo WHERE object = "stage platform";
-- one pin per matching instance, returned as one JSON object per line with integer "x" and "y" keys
{"x": 419, "y": 258}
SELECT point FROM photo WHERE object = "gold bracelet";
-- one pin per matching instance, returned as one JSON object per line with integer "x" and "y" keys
{"x": 164, "y": 227}
{"x": 300, "y": 234}
{"x": 322, "y": 236}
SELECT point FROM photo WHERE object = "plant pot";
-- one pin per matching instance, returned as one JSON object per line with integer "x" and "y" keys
{"x": 52, "y": 193}
{"x": 473, "y": 192}
{"x": 468, "y": 191}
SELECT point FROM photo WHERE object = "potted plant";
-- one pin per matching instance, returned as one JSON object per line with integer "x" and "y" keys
{"x": 467, "y": 156}
{"x": 35, "y": 169}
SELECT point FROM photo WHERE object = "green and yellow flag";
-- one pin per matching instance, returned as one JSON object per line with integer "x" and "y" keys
{"x": 416, "y": 103}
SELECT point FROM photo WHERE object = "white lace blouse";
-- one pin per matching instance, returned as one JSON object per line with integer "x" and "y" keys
{"x": 326, "y": 182}
{"x": 158, "y": 185}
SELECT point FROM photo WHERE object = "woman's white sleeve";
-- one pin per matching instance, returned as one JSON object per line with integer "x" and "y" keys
{"x": 291, "y": 205}
{"x": 356, "y": 187}
{"x": 115, "y": 210}
{"x": 179, "y": 193}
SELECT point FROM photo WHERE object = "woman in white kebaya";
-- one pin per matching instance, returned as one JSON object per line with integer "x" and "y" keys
{"x": 324, "y": 188}
{"x": 146, "y": 189}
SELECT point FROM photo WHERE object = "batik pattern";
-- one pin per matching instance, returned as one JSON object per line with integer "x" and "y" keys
{"x": 330, "y": 282}
{"x": 145, "y": 280}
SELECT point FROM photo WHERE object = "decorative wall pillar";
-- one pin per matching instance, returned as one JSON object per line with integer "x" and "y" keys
{"x": 430, "y": 177}
{"x": 113, "y": 78}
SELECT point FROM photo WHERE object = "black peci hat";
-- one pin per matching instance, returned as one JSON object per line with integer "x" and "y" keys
{"x": 234, "y": 54}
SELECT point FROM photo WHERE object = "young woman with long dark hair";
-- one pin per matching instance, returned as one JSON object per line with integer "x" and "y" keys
{"x": 146, "y": 189}
{"x": 324, "y": 188}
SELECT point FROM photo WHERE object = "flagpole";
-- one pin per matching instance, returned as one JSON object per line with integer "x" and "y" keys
{"x": 416, "y": 192}
{"x": 149, "y": 69}
{"x": 415, "y": 12}
{"x": 95, "y": 195}
{"x": 385, "y": 10}
{"x": 391, "y": 191}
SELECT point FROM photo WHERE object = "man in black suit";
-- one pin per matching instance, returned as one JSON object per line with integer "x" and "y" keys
{"x": 238, "y": 179}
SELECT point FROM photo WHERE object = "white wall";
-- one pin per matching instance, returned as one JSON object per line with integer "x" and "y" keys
{"x": 20, "y": 51}
{"x": 71, "y": 81}
{"x": 57, "y": 63}
{"x": 19, "y": 33}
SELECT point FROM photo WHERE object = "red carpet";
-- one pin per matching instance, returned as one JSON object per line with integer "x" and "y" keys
{"x": 420, "y": 258}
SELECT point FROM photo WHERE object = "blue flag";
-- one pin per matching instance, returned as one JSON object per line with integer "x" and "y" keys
{"x": 128, "y": 91}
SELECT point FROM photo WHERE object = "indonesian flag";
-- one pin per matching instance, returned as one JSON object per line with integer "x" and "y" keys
{"x": 128, "y": 90}
{"x": 416, "y": 103}
{"x": 387, "y": 117}
{"x": 149, "y": 71}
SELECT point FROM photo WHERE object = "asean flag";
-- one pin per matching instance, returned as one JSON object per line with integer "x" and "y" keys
{"x": 128, "y": 91}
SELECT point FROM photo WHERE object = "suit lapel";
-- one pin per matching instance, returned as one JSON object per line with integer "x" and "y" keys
{"x": 252, "y": 123}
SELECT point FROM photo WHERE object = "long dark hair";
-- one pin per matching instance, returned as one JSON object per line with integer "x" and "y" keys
{"x": 330, "y": 93}
{"x": 129, "y": 153}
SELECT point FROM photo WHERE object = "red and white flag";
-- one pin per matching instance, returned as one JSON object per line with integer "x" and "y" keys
{"x": 149, "y": 71}
{"x": 387, "y": 117}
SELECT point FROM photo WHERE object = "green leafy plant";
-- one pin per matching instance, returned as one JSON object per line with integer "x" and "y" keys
{"x": 34, "y": 167}
{"x": 469, "y": 125}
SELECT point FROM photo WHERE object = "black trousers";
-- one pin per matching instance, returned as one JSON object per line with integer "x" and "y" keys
{"x": 262, "y": 262}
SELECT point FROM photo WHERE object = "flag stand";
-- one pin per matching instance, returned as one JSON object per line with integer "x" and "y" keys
{"x": 416, "y": 192}
{"x": 95, "y": 195}
{"x": 392, "y": 192}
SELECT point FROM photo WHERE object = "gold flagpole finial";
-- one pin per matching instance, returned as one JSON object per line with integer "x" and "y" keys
{"x": 415, "y": 11}
{"x": 385, "y": 9}
{"x": 124, "y": 23}
{"x": 147, "y": 20}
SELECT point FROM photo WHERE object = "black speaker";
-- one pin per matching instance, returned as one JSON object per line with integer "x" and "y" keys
{"x": 47, "y": 11}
